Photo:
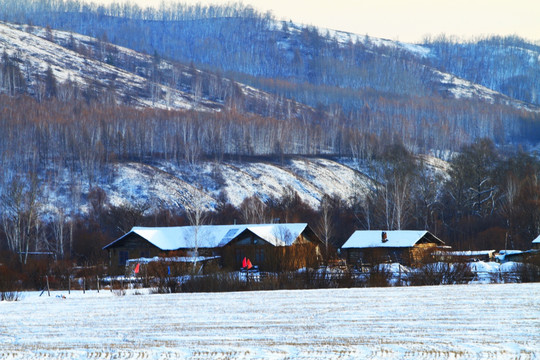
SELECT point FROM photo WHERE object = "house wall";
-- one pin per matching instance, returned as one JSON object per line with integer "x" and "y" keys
{"x": 131, "y": 247}
{"x": 405, "y": 256}
{"x": 272, "y": 258}
{"x": 267, "y": 257}
{"x": 420, "y": 253}
{"x": 376, "y": 255}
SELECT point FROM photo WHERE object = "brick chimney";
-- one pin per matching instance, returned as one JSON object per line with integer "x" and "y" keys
{"x": 384, "y": 237}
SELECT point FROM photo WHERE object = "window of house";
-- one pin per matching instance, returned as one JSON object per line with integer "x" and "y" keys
{"x": 259, "y": 256}
{"x": 123, "y": 257}
{"x": 239, "y": 256}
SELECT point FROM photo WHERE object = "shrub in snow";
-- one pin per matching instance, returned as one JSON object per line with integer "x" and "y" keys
{"x": 217, "y": 282}
{"x": 441, "y": 273}
{"x": 326, "y": 277}
{"x": 527, "y": 272}
{"x": 8, "y": 285}
{"x": 379, "y": 276}
{"x": 167, "y": 272}
{"x": 119, "y": 292}
{"x": 10, "y": 296}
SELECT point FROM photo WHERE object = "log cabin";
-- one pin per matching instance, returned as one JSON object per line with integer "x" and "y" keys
{"x": 269, "y": 246}
{"x": 407, "y": 247}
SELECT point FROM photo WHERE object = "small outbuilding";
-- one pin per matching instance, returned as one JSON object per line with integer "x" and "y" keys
{"x": 466, "y": 256}
{"x": 377, "y": 246}
{"x": 519, "y": 255}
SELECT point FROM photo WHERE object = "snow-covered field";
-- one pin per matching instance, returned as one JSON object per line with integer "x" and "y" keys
{"x": 497, "y": 321}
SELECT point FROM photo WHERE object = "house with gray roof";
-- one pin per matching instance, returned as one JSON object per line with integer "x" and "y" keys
{"x": 377, "y": 246}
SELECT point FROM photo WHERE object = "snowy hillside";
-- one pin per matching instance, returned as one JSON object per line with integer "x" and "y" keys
{"x": 35, "y": 54}
{"x": 129, "y": 77}
{"x": 463, "y": 89}
{"x": 445, "y": 83}
{"x": 146, "y": 81}
{"x": 510, "y": 65}
{"x": 345, "y": 38}
{"x": 169, "y": 185}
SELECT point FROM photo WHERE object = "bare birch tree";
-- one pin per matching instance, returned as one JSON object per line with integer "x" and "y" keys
{"x": 253, "y": 210}
{"x": 325, "y": 226}
{"x": 20, "y": 215}
{"x": 59, "y": 225}
{"x": 195, "y": 210}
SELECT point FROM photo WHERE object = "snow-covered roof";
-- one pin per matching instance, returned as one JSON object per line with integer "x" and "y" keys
{"x": 469, "y": 253}
{"x": 396, "y": 238}
{"x": 537, "y": 240}
{"x": 278, "y": 234}
{"x": 212, "y": 236}
{"x": 176, "y": 259}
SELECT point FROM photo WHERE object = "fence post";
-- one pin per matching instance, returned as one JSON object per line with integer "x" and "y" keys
{"x": 48, "y": 288}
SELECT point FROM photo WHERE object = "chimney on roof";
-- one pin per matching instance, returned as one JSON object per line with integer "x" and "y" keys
{"x": 384, "y": 237}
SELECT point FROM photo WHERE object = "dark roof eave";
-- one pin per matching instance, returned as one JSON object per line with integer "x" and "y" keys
{"x": 431, "y": 238}
{"x": 117, "y": 240}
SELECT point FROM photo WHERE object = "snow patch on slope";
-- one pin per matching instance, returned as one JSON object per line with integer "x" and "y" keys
{"x": 167, "y": 185}
{"x": 463, "y": 89}
{"x": 235, "y": 181}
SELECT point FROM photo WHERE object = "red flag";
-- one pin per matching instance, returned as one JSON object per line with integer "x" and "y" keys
{"x": 244, "y": 263}
{"x": 137, "y": 268}
{"x": 249, "y": 266}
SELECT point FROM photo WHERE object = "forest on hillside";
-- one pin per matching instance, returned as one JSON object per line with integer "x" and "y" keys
{"x": 265, "y": 48}
{"x": 380, "y": 88}
{"x": 487, "y": 199}
{"x": 277, "y": 125}
{"x": 509, "y": 65}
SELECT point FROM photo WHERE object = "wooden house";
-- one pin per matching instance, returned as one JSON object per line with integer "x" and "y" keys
{"x": 260, "y": 242}
{"x": 274, "y": 247}
{"x": 402, "y": 246}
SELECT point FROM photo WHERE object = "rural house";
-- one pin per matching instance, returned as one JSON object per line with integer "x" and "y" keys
{"x": 274, "y": 247}
{"x": 267, "y": 245}
{"x": 376, "y": 246}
